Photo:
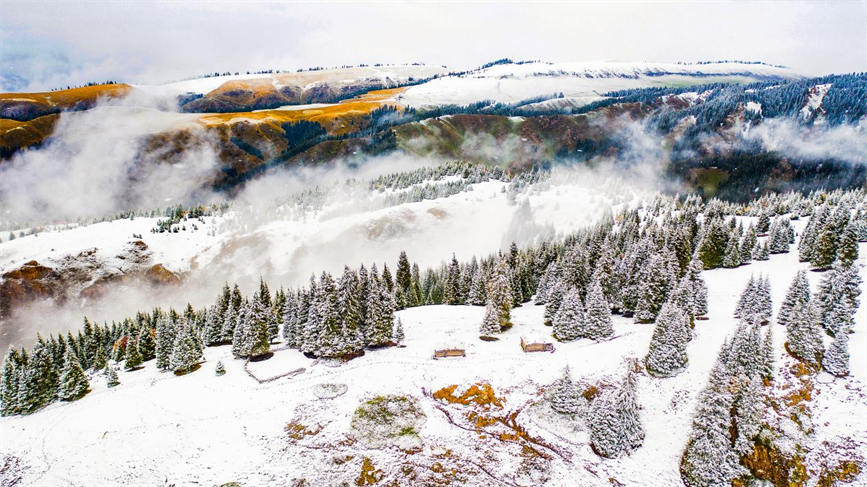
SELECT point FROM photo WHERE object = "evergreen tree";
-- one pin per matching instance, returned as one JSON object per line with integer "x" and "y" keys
{"x": 761, "y": 252}
{"x": 804, "y": 335}
{"x": 824, "y": 250}
{"x": 478, "y": 296}
{"x": 748, "y": 244}
{"x": 146, "y": 344}
{"x": 552, "y": 304}
{"x": 9, "y": 385}
{"x": 667, "y": 353}
{"x": 453, "y": 282}
{"x": 766, "y": 364}
{"x": 564, "y": 395}
{"x": 597, "y": 323}
{"x": 100, "y": 360}
{"x": 37, "y": 381}
{"x": 847, "y": 250}
{"x": 133, "y": 359}
{"x": 709, "y": 458}
{"x": 164, "y": 342}
{"x": 491, "y": 322}
{"x": 111, "y": 376}
{"x": 73, "y": 382}
{"x": 836, "y": 359}
{"x": 500, "y": 293}
{"x": 403, "y": 278}
{"x": 748, "y": 406}
{"x": 570, "y": 317}
{"x": 186, "y": 352}
{"x": 398, "y": 334}
{"x": 615, "y": 425}
{"x": 220, "y": 369}
{"x": 798, "y": 294}
{"x": 653, "y": 291}
{"x": 732, "y": 254}
{"x": 712, "y": 247}
{"x": 699, "y": 288}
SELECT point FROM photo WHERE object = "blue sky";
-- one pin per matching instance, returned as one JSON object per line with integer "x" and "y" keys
{"x": 46, "y": 45}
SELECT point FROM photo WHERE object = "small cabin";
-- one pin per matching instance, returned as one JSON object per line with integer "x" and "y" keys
{"x": 449, "y": 352}
{"x": 536, "y": 346}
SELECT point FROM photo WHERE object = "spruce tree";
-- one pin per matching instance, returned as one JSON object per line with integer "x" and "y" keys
{"x": 836, "y": 359}
{"x": 797, "y": 294}
{"x": 478, "y": 296}
{"x": 732, "y": 254}
{"x": 615, "y": 425}
{"x": 847, "y": 250}
{"x": 748, "y": 406}
{"x": 597, "y": 323}
{"x": 398, "y": 334}
{"x": 111, "y": 379}
{"x": 710, "y": 458}
{"x": 570, "y": 317}
{"x": 9, "y": 385}
{"x": 490, "y": 325}
{"x": 552, "y": 305}
{"x": 699, "y": 287}
{"x": 133, "y": 359}
{"x": 220, "y": 369}
{"x": 804, "y": 335}
{"x": 186, "y": 352}
{"x": 564, "y": 395}
{"x": 403, "y": 279}
{"x": 73, "y": 382}
{"x": 824, "y": 250}
{"x": 653, "y": 290}
{"x": 667, "y": 353}
{"x": 453, "y": 282}
{"x": 500, "y": 293}
{"x": 767, "y": 358}
{"x": 164, "y": 342}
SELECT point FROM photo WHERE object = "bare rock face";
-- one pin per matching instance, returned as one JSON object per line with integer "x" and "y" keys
{"x": 158, "y": 275}
{"x": 87, "y": 275}
{"x": 29, "y": 282}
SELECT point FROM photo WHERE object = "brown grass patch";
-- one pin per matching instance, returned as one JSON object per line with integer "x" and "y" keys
{"x": 298, "y": 431}
{"x": 479, "y": 394}
{"x": 369, "y": 474}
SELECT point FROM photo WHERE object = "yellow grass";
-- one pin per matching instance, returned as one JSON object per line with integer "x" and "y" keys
{"x": 337, "y": 118}
{"x": 68, "y": 98}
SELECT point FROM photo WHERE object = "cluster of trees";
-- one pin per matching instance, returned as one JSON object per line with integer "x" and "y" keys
{"x": 728, "y": 417}
{"x": 612, "y": 417}
{"x": 725, "y": 242}
{"x": 832, "y": 234}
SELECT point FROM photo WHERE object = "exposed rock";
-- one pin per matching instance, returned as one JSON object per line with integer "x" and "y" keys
{"x": 158, "y": 275}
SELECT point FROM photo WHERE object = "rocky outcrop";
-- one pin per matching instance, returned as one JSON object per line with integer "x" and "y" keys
{"x": 86, "y": 275}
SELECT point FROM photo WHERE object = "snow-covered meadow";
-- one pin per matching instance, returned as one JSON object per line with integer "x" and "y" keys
{"x": 201, "y": 429}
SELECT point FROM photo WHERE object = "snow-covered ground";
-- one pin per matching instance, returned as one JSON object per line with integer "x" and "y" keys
{"x": 580, "y": 83}
{"x": 199, "y": 429}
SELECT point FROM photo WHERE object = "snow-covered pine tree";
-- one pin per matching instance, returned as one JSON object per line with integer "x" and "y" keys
{"x": 291, "y": 334}
{"x": 699, "y": 288}
{"x": 597, "y": 323}
{"x": 732, "y": 253}
{"x": 748, "y": 244}
{"x": 797, "y": 294}
{"x": 240, "y": 345}
{"x": 556, "y": 293}
{"x": 767, "y": 357}
{"x": 220, "y": 369}
{"x": 73, "y": 382}
{"x": 836, "y": 359}
{"x": 763, "y": 306}
{"x": 499, "y": 290}
{"x": 847, "y": 250}
{"x": 230, "y": 318}
{"x": 133, "y": 359}
{"x": 667, "y": 353}
{"x": 260, "y": 317}
{"x": 349, "y": 308}
{"x": 653, "y": 290}
{"x": 164, "y": 341}
{"x": 453, "y": 282}
{"x": 490, "y": 325}
{"x": 570, "y": 317}
{"x": 111, "y": 379}
{"x": 615, "y": 425}
{"x": 213, "y": 326}
{"x": 564, "y": 396}
{"x": 804, "y": 335}
{"x": 37, "y": 380}
{"x": 764, "y": 223}
{"x": 712, "y": 247}
{"x": 398, "y": 334}
{"x": 761, "y": 252}
{"x": 186, "y": 352}
{"x": 748, "y": 406}
{"x": 744, "y": 307}
{"x": 478, "y": 296}
{"x": 824, "y": 250}
{"x": 709, "y": 458}
{"x": 9, "y": 385}
{"x": 403, "y": 280}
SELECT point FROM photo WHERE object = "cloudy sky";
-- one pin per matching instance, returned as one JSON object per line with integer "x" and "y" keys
{"x": 47, "y": 44}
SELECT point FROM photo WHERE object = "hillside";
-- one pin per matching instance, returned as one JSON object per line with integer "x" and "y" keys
{"x": 309, "y": 411}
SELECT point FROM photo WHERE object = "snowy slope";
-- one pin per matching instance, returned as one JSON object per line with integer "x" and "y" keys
{"x": 581, "y": 83}
{"x": 199, "y": 429}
